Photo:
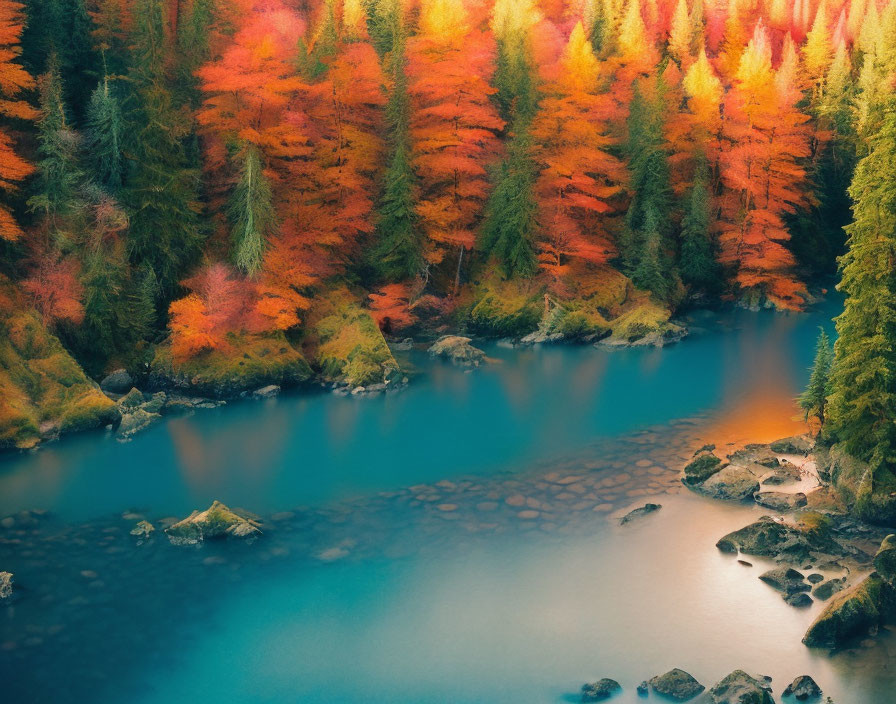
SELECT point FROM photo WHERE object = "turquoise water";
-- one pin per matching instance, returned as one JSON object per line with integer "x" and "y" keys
{"x": 455, "y": 542}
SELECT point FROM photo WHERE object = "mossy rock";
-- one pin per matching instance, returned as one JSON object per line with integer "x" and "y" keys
{"x": 870, "y": 496}
{"x": 644, "y": 320}
{"x": 505, "y": 308}
{"x": 701, "y": 468}
{"x": 885, "y": 560}
{"x": 853, "y": 613}
{"x": 217, "y": 521}
{"x": 247, "y": 363}
{"x": 345, "y": 343}
{"x": 44, "y": 391}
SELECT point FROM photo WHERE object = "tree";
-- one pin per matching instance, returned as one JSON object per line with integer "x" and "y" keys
{"x": 814, "y": 399}
{"x": 14, "y": 85}
{"x": 252, "y": 212}
{"x": 696, "y": 262}
{"x": 54, "y": 289}
{"x": 862, "y": 402}
{"x": 104, "y": 149}
{"x": 578, "y": 176}
{"x": 453, "y": 127}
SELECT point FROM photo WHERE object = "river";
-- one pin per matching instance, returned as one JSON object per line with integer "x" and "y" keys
{"x": 457, "y": 541}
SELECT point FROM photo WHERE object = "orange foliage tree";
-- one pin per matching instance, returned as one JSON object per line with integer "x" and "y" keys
{"x": 762, "y": 174}
{"x": 453, "y": 125}
{"x": 578, "y": 176}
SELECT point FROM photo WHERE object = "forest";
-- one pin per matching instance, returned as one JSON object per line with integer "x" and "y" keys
{"x": 191, "y": 182}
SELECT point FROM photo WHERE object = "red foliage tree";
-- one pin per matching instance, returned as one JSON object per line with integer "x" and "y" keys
{"x": 55, "y": 290}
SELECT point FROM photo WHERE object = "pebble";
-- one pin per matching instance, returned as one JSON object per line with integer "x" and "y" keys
{"x": 528, "y": 514}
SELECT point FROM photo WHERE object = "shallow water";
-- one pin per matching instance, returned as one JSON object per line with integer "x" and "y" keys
{"x": 455, "y": 542}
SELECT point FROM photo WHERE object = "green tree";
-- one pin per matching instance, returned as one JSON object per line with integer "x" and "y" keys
{"x": 814, "y": 399}
{"x": 862, "y": 404}
{"x": 697, "y": 263}
{"x": 252, "y": 212}
{"x": 399, "y": 252}
{"x": 105, "y": 127}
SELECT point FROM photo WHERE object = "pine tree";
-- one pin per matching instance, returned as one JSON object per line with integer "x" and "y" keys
{"x": 862, "y": 405}
{"x": 252, "y": 212}
{"x": 105, "y": 127}
{"x": 162, "y": 193}
{"x": 814, "y": 399}
{"x": 697, "y": 263}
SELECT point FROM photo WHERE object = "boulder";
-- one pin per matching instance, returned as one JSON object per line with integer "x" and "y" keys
{"x": 803, "y": 687}
{"x": 600, "y": 690}
{"x": 702, "y": 467}
{"x": 825, "y": 591}
{"x": 638, "y": 512}
{"x": 677, "y": 685}
{"x": 268, "y": 391}
{"x": 733, "y": 482}
{"x": 796, "y": 445}
{"x": 218, "y": 521}
{"x": 885, "y": 560}
{"x": 853, "y": 613}
{"x": 741, "y": 688}
{"x": 458, "y": 350}
{"x": 156, "y": 402}
{"x": 780, "y": 501}
{"x": 785, "y": 474}
{"x": 5, "y": 585}
{"x": 132, "y": 399}
{"x": 769, "y": 538}
{"x": 815, "y": 578}
{"x": 117, "y": 382}
{"x": 756, "y": 454}
{"x": 135, "y": 421}
{"x": 800, "y": 600}
{"x": 785, "y": 579}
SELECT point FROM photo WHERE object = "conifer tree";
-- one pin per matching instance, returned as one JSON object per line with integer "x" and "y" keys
{"x": 105, "y": 137}
{"x": 815, "y": 398}
{"x": 252, "y": 212}
{"x": 862, "y": 405}
{"x": 697, "y": 263}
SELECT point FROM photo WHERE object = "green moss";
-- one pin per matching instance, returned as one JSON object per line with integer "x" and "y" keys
{"x": 853, "y": 612}
{"x": 44, "y": 391}
{"x": 702, "y": 468}
{"x": 871, "y": 496}
{"x": 346, "y": 344}
{"x": 251, "y": 361}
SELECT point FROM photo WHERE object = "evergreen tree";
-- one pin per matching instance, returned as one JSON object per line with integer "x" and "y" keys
{"x": 814, "y": 399}
{"x": 252, "y": 212}
{"x": 399, "y": 253}
{"x": 862, "y": 405}
{"x": 647, "y": 229}
{"x": 162, "y": 193}
{"x": 105, "y": 138}
{"x": 697, "y": 263}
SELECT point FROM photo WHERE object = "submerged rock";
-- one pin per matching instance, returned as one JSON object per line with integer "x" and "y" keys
{"x": 638, "y": 512}
{"x": 458, "y": 350}
{"x": 825, "y": 591}
{"x": 143, "y": 529}
{"x": 800, "y": 600}
{"x": 268, "y": 391}
{"x": 780, "y": 500}
{"x": 741, "y": 688}
{"x": 218, "y": 521}
{"x": 5, "y": 585}
{"x": 600, "y": 690}
{"x": 676, "y": 685}
{"x": 803, "y": 687}
{"x": 853, "y": 613}
{"x": 643, "y": 689}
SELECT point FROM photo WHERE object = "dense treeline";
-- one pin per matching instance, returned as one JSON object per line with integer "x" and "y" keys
{"x": 206, "y": 167}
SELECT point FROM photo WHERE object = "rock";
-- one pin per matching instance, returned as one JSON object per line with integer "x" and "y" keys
{"x": 5, "y": 585}
{"x": 135, "y": 421}
{"x": 118, "y": 382}
{"x": 785, "y": 474}
{"x": 268, "y": 391}
{"x": 638, "y": 512}
{"x": 800, "y": 600}
{"x": 815, "y": 578}
{"x": 796, "y": 445}
{"x": 785, "y": 579}
{"x": 642, "y": 689}
{"x": 756, "y": 454}
{"x": 677, "y": 685}
{"x": 143, "y": 529}
{"x": 132, "y": 399}
{"x": 803, "y": 687}
{"x": 701, "y": 468}
{"x": 741, "y": 688}
{"x": 733, "y": 482}
{"x": 156, "y": 403}
{"x": 780, "y": 501}
{"x": 218, "y": 521}
{"x": 600, "y": 690}
{"x": 853, "y": 613}
{"x": 885, "y": 560}
{"x": 825, "y": 591}
{"x": 769, "y": 538}
{"x": 458, "y": 350}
